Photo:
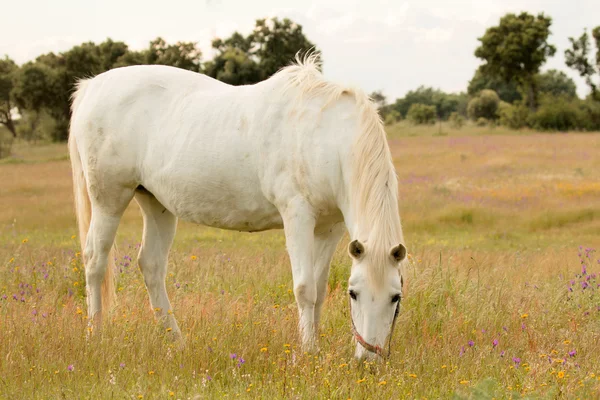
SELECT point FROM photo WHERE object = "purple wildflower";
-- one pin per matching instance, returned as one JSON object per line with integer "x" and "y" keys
{"x": 70, "y": 367}
{"x": 505, "y": 329}
{"x": 584, "y": 285}
{"x": 517, "y": 361}
{"x": 495, "y": 343}
{"x": 471, "y": 343}
{"x": 240, "y": 362}
{"x": 523, "y": 326}
{"x": 208, "y": 377}
{"x": 233, "y": 356}
{"x": 122, "y": 365}
{"x": 462, "y": 351}
{"x": 502, "y": 353}
{"x": 572, "y": 353}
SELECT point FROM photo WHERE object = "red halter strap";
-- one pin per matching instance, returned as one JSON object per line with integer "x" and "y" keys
{"x": 368, "y": 346}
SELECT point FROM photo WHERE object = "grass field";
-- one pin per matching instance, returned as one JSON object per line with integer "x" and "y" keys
{"x": 502, "y": 294}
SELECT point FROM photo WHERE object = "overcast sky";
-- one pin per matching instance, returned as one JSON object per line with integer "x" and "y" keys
{"x": 393, "y": 45}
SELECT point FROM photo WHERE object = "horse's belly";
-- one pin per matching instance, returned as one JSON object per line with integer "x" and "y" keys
{"x": 225, "y": 211}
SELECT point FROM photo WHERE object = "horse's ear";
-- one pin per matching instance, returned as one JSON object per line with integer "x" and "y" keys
{"x": 356, "y": 249}
{"x": 398, "y": 253}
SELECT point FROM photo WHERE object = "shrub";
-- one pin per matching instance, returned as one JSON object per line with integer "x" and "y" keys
{"x": 590, "y": 110}
{"x": 6, "y": 141}
{"x": 558, "y": 113}
{"x": 421, "y": 114}
{"x": 484, "y": 105}
{"x": 456, "y": 120}
{"x": 512, "y": 116}
{"x": 392, "y": 117}
{"x": 482, "y": 121}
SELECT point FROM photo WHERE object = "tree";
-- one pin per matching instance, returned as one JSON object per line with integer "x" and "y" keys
{"x": 8, "y": 69}
{"x": 577, "y": 58}
{"x": 379, "y": 99}
{"x": 484, "y": 105}
{"x": 507, "y": 91}
{"x": 516, "y": 49}
{"x": 444, "y": 103}
{"x": 234, "y": 66}
{"x": 421, "y": 114}
{"x": 275, "y": 43}
{"x": 184, "y": 55}
{"x": 246, "y": 60}
{"x": 556, "y": 83}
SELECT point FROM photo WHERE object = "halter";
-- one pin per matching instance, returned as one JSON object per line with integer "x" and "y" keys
{"x": 368, "y": 346}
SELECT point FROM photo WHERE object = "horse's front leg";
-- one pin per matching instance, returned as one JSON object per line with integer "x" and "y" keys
{"x": 299, "y": 226}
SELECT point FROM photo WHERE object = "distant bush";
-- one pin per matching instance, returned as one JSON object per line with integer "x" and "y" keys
{"x": 590, "y": 110}
{"x": 512, "y": 116}
{"x": 421, "y": 114}
{"x": 484, "y": 105}
{"x": 392, "y": 117}
{"x": 558, "y": 113}
{"x": 6, "y": 141}
{"x": 456, "y": 120}
{"x": 481, "y": 121}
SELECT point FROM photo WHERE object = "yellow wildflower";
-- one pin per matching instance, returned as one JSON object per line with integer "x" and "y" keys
{"x": 382, "y": 383}
{"x": 194, "y": 258}
{"x": 560, "y": 375}
{"x": 464, "y": 382}
{"x": 263, "y": 349}
{"x": 412, "y": 375}
{"x": 524, "y": 316}
{"x": 361, "y": 380}
{"x": 25, "y": 240}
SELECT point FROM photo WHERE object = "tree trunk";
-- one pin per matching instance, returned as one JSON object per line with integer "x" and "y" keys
{"x": 11, "y": 127}
{"x": 531, "y": 95}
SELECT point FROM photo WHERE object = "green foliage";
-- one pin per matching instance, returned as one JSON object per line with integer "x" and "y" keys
{"x": 482, "y": 121}
{"x": 512, "y": 116}
{"x": 421, "y": 114}
{"x": 516, "y": 49}
{"x": 6, "y": 142}
{"x": 246, "y": 60}
{"x": 456, "y": 120}
{"x": 392, "y": 117}
{"x": 275, "y": 43}
{"x": 184, "y": 55}
{"x": 235, "y": 67}
{"x": 484, "y": 105}
{"x": 507, "y": 91}
{"x": 577, "y": 57}
{"x": 556, "y": 83}
{"x": 557, "y": 114}
{"x": 444, "y": 103}
{"x": 8, "y": 69}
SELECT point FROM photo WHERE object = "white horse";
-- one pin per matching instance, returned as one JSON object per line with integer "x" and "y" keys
{"x": 295, "y": 152}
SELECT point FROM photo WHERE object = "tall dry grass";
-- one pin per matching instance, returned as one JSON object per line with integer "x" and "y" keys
{"x": 498, "y": 303}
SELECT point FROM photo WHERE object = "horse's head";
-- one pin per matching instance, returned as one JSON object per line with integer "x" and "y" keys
{"x": 374, "y": 301}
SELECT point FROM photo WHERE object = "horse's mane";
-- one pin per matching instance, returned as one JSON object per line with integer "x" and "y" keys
{"x": 374, "y": 186}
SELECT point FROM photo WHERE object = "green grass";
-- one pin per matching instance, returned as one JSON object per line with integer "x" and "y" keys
{"x": 493, "y": 227}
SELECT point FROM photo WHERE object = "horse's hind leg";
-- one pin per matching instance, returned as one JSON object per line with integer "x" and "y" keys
{"x": 107, "y": 209}
{"x": 159, "y": 231}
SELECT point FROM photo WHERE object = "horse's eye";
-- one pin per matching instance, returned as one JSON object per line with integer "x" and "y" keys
{"x": 396, "y": 298}
{"x": 352, "y": 294}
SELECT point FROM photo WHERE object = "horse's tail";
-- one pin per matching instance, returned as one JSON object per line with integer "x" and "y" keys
{"x": 83, "y": 207}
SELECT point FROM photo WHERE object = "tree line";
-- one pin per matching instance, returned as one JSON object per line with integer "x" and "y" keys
{"x": 507, "y": 88}
{"x": 40, "y": 90}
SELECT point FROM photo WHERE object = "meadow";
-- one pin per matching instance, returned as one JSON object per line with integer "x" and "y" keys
{"x": 502, "y": 292}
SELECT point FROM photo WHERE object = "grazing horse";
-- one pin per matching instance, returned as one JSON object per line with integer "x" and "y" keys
{"x": 294, "y": 151}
